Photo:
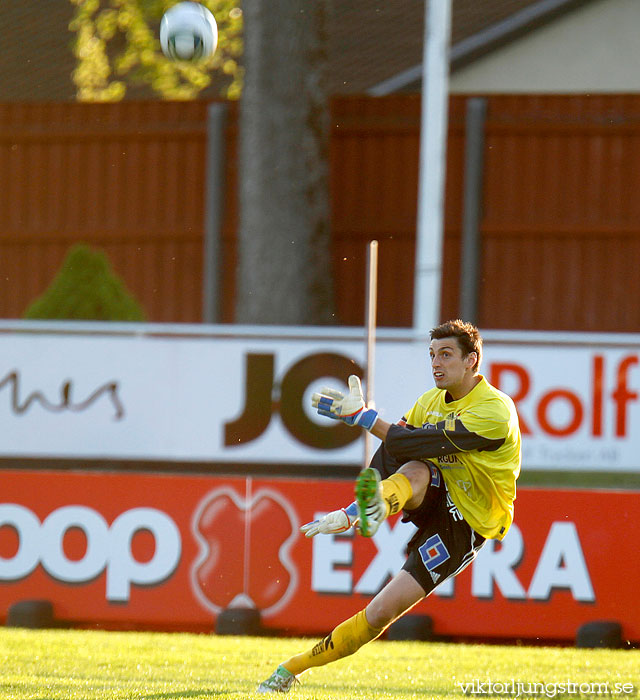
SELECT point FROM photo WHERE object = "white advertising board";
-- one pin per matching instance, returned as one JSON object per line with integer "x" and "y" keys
{"x": 239, "y": 395}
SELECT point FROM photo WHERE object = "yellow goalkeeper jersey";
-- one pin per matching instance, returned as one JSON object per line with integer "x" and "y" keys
{"x": 475, "y": 442}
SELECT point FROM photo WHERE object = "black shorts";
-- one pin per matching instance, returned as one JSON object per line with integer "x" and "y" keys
{"x": 444, "y": 543}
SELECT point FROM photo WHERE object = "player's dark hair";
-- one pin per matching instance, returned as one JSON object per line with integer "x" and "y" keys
{"x": 467, "y": 335}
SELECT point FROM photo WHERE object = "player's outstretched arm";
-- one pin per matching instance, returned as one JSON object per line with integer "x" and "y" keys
{"x": 380, "y": 429}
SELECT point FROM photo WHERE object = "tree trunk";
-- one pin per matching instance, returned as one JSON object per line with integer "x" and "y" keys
{"x": 284, "y": 274}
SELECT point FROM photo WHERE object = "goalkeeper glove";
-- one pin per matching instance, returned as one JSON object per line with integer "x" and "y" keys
{"x": 332, "y": 523}
{"x": 350, "y": 409}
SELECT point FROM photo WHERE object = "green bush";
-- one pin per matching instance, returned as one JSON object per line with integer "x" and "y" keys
{"x": 86, "y": 288}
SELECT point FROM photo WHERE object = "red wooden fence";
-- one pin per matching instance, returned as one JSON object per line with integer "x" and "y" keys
{"x": 560, "y": 225}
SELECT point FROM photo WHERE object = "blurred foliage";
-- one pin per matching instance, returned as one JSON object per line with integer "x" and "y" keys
{"x": 87, "y": 289}
{"x": 117, "y": 43}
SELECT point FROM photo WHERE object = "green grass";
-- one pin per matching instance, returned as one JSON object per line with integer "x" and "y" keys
{"x": 88, "y": 665}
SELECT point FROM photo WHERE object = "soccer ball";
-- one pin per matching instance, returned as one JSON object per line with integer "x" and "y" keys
{"x": 188, "y": 32}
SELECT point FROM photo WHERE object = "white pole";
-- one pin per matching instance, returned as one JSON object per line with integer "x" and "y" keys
{"x": 370, "y": 322}
{"x": 433, "y": 151}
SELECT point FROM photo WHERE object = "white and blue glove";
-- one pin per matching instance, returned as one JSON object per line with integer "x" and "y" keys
{"x": 332, "y": 523}
{"x": 350, "y": 409}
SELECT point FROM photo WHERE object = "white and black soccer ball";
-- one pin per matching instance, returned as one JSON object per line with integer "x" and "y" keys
{"x": 188, "y": 32}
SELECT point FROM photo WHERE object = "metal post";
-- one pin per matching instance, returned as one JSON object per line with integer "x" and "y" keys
{"x": 433, "y": 142}
{"x": 214, "y": 202}
{"x": 472, "y": 208}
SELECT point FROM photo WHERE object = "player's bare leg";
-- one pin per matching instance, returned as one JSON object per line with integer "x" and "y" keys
{"x": 394, "y": 600}
{"x": 419, "y": 476}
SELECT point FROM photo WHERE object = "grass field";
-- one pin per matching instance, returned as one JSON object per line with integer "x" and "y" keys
{"x": 88, "y": 665}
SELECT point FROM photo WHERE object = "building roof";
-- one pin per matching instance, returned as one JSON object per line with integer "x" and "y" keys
{"x": 375, "y": 46}
{"x": 477, "y": 28}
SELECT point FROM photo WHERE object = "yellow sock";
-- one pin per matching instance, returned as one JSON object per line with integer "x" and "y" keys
{"x": 396, "y": 491}
{"x": 345, "y": 639}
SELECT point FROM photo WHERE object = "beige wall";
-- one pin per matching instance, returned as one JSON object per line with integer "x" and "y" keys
{"x": 593, "y": 49}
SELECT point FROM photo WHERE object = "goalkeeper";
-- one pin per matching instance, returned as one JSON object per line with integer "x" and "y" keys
{"x": 450, "y": 465}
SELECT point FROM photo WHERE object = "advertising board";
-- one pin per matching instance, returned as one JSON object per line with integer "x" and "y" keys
{"x": 172, "y": 551}
{"x": 240, "y": 396}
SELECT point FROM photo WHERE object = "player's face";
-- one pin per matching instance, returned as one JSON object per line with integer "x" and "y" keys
{"x": 451, "y": 370}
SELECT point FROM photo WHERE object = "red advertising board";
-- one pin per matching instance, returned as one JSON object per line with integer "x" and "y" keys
{"x": 157, "y": 551}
